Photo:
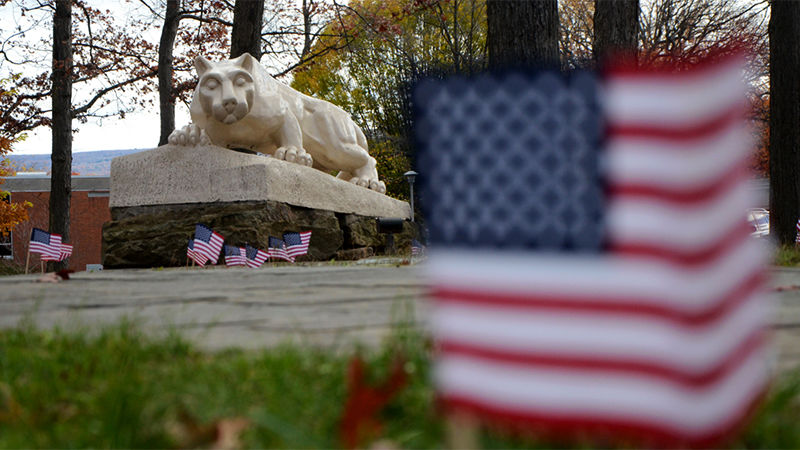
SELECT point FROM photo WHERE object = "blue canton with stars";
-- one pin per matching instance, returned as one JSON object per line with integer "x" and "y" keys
{"x": 292, "y": 239}
{"x": 202, "y": 233}
{"x": 252, "y": 252}
{"x": 276, "y": 243}
{"x": 511, "y": 161}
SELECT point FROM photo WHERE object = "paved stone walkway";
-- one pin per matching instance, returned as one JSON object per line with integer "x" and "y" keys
{"x": 786, "y": 321}
{"x": 323, "y": 305}
{"x": 220, "y": 307}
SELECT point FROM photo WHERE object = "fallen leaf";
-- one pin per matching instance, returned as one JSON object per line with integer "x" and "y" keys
{"x": 791, "y": 287}
{"x": 64, "y": 274}
{"x": 359, "y": 420}
{"x": 222, "y": 434}
{"x": 187, "y": 432}
{"x": 49, "y": 278}
{"x": 384, "y": 444}
{"x": 228, "y": 433}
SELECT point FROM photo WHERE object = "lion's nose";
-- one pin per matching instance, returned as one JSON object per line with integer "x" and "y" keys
{"x": 229, "y": 104}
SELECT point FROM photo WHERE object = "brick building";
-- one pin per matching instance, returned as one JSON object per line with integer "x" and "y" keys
{"x": 88, "y": 212}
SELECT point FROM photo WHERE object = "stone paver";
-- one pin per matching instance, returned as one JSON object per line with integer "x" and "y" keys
{"x": 322, "y": 305}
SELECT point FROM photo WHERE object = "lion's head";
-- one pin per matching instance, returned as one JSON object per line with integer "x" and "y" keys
{"x": 225, "y": 89}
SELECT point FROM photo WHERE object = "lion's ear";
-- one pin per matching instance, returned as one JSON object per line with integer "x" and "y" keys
{"x": 202, "y": 65}
{"x": 245, "y": 61}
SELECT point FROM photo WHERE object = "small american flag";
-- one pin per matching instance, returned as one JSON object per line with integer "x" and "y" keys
{"x": 46, "y": 244}
{"x": 297, "y": 243}
{"x": 277, "y": 249}
{"x": 235, "y": 256}
{"x": 207, "y": 242}
{"x": 198, "y": 258}
{"x": 255, "y": 257}
{"x": 417, "y": 248}
{"x": 797, "y": 238}
{"x": 66, "y": 251}
{"x": 591, "y": 264}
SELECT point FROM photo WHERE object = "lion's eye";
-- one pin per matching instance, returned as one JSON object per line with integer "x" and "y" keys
{"x": 240, "y": 81}
{"x": 212, "y": 84}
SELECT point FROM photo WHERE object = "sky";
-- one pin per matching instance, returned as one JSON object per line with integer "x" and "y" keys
{"x": 138, "y": 130}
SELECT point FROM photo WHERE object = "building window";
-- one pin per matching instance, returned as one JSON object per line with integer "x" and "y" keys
{"x": 6, "y": 246}
{"x": 6, "y": 242}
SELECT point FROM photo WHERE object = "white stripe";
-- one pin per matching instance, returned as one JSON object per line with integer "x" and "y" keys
{"x": 672, "y": 164}
{"x": 44, "y": 249}
{"x": 202, "y": 246}
{"x": 685, "y": 227}
{"x": 633, "y": 397}
{"x": 204, "y": 249}
{"x": 595, "y": 277}
{"x": 613, "y": 336}
{"x": 674, "y": 101}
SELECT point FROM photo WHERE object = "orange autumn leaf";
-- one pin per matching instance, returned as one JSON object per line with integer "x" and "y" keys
{"x": 359, "y": 420}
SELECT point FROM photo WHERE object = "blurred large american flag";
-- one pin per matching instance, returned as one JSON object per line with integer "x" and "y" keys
{"x": 590, "y": 260}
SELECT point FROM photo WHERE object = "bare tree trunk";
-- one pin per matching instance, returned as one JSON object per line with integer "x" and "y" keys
{"x": 616, "y": 28}
{"x": 61, "y": 156}
{"x": 166, "y": 99}
{"x": 246, "y": 33}
{"x": 522, "y": 33}
{"x": 784, "y": 117}
{"x": 306, "y": 29}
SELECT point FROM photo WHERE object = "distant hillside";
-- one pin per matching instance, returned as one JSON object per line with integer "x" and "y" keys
{"x": 84, "y": 163}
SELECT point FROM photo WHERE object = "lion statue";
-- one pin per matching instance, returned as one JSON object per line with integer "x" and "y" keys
{"x": 238, "y": 105}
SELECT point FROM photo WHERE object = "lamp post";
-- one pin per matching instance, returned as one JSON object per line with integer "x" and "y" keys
{"x": 410, "y": 177}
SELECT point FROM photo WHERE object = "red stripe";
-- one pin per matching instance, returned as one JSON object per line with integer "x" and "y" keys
{"x": 198, "y": 258}
{"x": 676, "y": 194}
{"x": 690, "y": 132}
{"x": 664, "y": 310}
{"x": 754, "y": 342}
{"x": 576, "y": 426}
{"x": 692, "y": 258}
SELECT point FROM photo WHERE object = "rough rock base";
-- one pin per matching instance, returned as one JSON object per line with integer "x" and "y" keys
{"x": 153, "y": 236}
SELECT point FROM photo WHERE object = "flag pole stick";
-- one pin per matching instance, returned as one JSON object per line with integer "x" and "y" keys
{"x": 462, "y": 431}
{"x": 27, "y": 261}
{"x": 42, "y": 261}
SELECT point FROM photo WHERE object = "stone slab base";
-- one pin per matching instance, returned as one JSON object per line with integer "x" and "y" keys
{"x": 170, "y": 175}
{"x": 153, "y": 236}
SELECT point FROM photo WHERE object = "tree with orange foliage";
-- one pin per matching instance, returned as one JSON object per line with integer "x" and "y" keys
{"x": 10, "y": 213}
{"x": 371, "y": 53}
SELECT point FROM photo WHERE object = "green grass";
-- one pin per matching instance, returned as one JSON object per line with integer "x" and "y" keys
{"x": 787, "y": 255}
{"x": 118, "y": 388}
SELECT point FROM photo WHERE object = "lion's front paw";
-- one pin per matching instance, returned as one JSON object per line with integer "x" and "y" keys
{"x": 190, "y": 135}
{"x": 378, "y": 186}
{"x": 371, "y": 183}
{"x": 295, "y": 155}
